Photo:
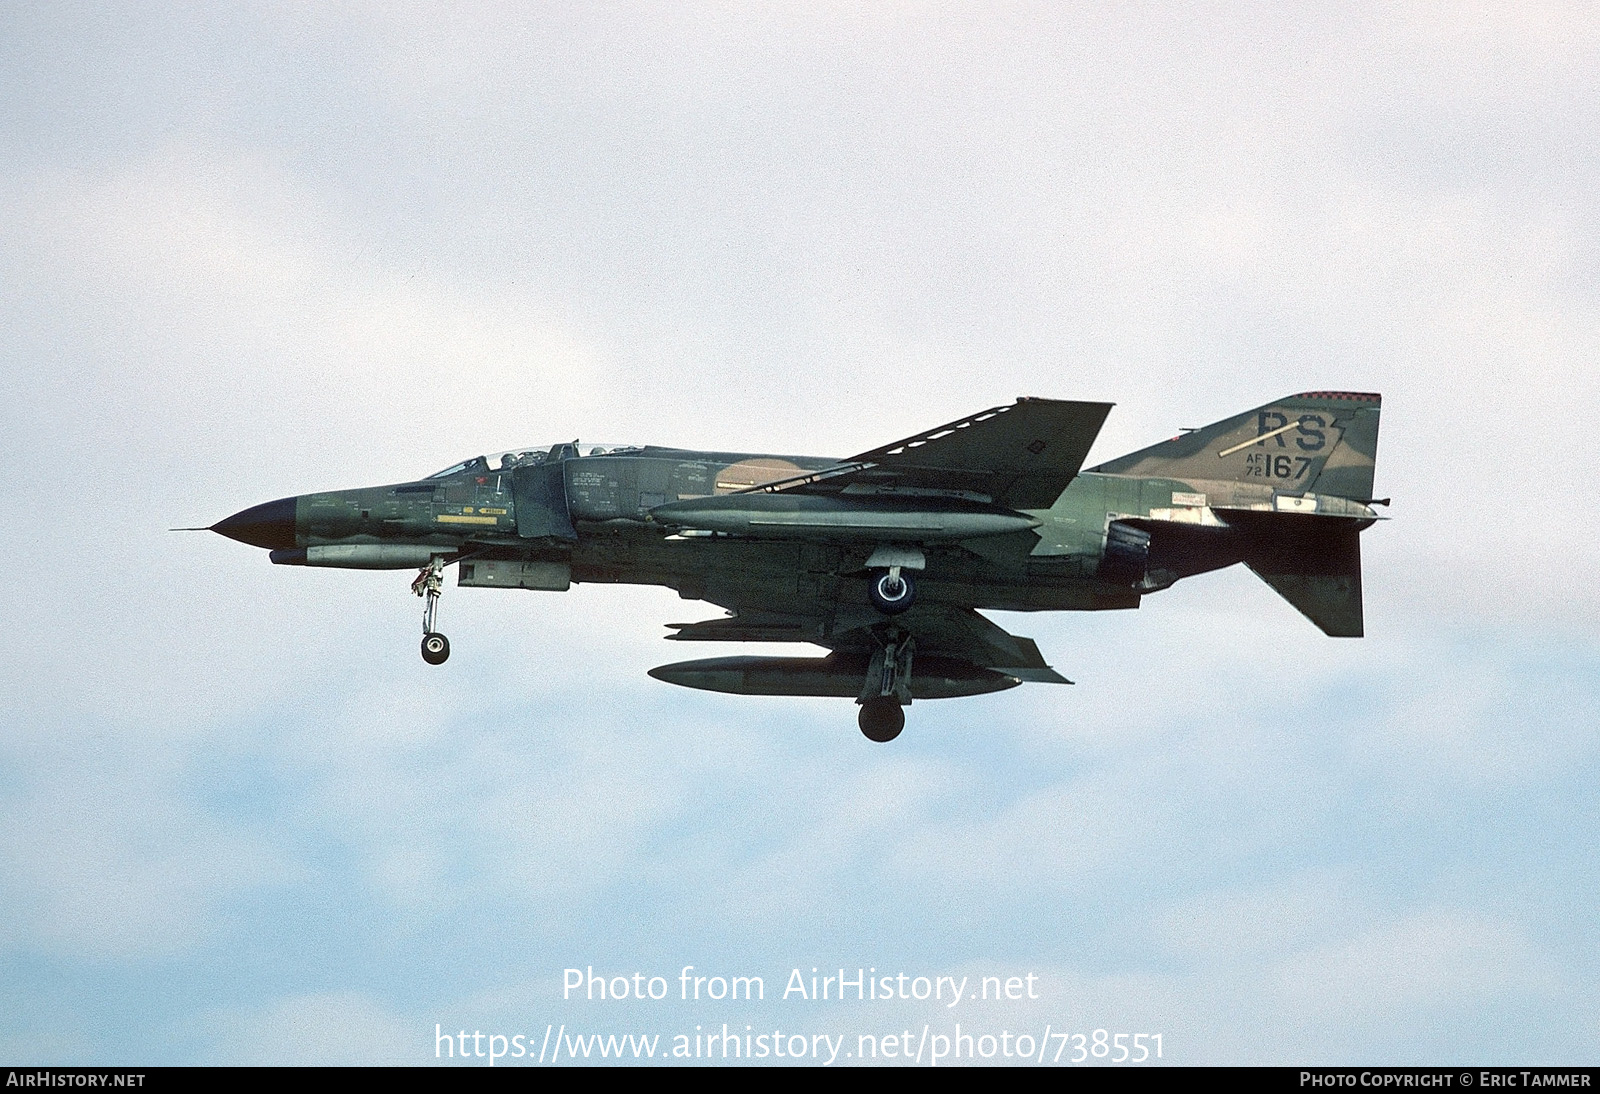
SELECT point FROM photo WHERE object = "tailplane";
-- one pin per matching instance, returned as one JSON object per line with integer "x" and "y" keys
{"x": 1293, "y": 480}
{"x": 1313, "y": 562}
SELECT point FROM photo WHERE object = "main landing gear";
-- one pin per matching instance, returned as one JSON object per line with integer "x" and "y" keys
{"x": 882, "y": 719}
{"x": 889, "y": 584}
{"x": 429, "y": 583}
{"x": 892, "y": 593}
{"x": 887, "y": 689}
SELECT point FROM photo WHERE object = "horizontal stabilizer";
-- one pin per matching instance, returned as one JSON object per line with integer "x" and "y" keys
{"x": 1318, "y": 570}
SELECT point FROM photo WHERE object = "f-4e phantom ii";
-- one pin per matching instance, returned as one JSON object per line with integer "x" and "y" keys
{"x": 884, "y": 558}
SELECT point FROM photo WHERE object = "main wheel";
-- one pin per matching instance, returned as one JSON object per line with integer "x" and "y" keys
{"x": 881, "y": 719}
{"x": 435, "y": 649}
{"x": 891, "y": 595}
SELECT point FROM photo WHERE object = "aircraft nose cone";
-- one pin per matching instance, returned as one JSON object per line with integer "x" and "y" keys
{"x": 270, "y": 525}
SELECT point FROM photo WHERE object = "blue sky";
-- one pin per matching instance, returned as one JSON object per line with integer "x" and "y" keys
{"x": 251, "y": 252}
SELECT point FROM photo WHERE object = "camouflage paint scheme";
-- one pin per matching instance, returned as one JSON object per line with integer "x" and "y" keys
{"x": 993, "y": 511}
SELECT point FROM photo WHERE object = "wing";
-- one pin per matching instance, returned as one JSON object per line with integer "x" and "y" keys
{"x": 1022, "y": 456}
{"x": 960, "y": 634}
{"x": 964, "y": 635}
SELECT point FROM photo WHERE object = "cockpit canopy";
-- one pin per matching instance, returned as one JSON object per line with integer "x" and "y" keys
{"x": 519, "y": 457}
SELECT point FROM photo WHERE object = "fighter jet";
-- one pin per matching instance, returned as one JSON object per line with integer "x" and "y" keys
{"x": 885, "y": 558}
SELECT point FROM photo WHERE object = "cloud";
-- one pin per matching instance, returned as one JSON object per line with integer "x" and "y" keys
{"x": 108, "y": 856}
{"x": 216, "y": 309}
{"x": 1429, "y": 960}
{"x": 382, "y": 239}
{"x": 337, "y": 1028}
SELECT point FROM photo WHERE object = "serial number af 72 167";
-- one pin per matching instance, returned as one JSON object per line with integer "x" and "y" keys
{"x": 1264, "y": 465}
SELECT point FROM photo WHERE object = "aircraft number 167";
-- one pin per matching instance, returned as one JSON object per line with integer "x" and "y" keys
{"x": 1261, "y": 465}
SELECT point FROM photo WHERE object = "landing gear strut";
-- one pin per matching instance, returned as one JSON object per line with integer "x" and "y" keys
{"x": 435, "y": 646}
{"x": 887, "y": 689}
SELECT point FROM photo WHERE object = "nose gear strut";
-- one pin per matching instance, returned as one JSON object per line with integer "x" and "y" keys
{"x": 429, "y": 583}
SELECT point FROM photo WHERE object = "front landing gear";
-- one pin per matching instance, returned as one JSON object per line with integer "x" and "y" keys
{"x": 429, "y": 583}
{"x": 435, "y": 648}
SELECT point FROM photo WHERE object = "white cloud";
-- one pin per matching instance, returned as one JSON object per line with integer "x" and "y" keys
{"x": 108, "y": 856}
{"x": 1433, "y": 959}
{"x": 388, "y": 240}
{"x": 328, "y": 1029}
{"x": 224, "y": 319}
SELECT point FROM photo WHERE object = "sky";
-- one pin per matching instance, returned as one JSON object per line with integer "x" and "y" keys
{"x": 251, "y": 251}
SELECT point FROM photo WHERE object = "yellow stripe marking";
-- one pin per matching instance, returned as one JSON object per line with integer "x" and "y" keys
{"x": 452, "y": 518}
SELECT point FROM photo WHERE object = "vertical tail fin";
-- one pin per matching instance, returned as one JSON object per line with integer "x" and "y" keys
{"x": 1322, "y": 442}
{"x": 1254, "y": 469}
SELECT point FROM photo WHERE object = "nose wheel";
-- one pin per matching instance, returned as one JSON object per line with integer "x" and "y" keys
{"x": 435, "y": 648}
{"x": 428, "y": 585}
